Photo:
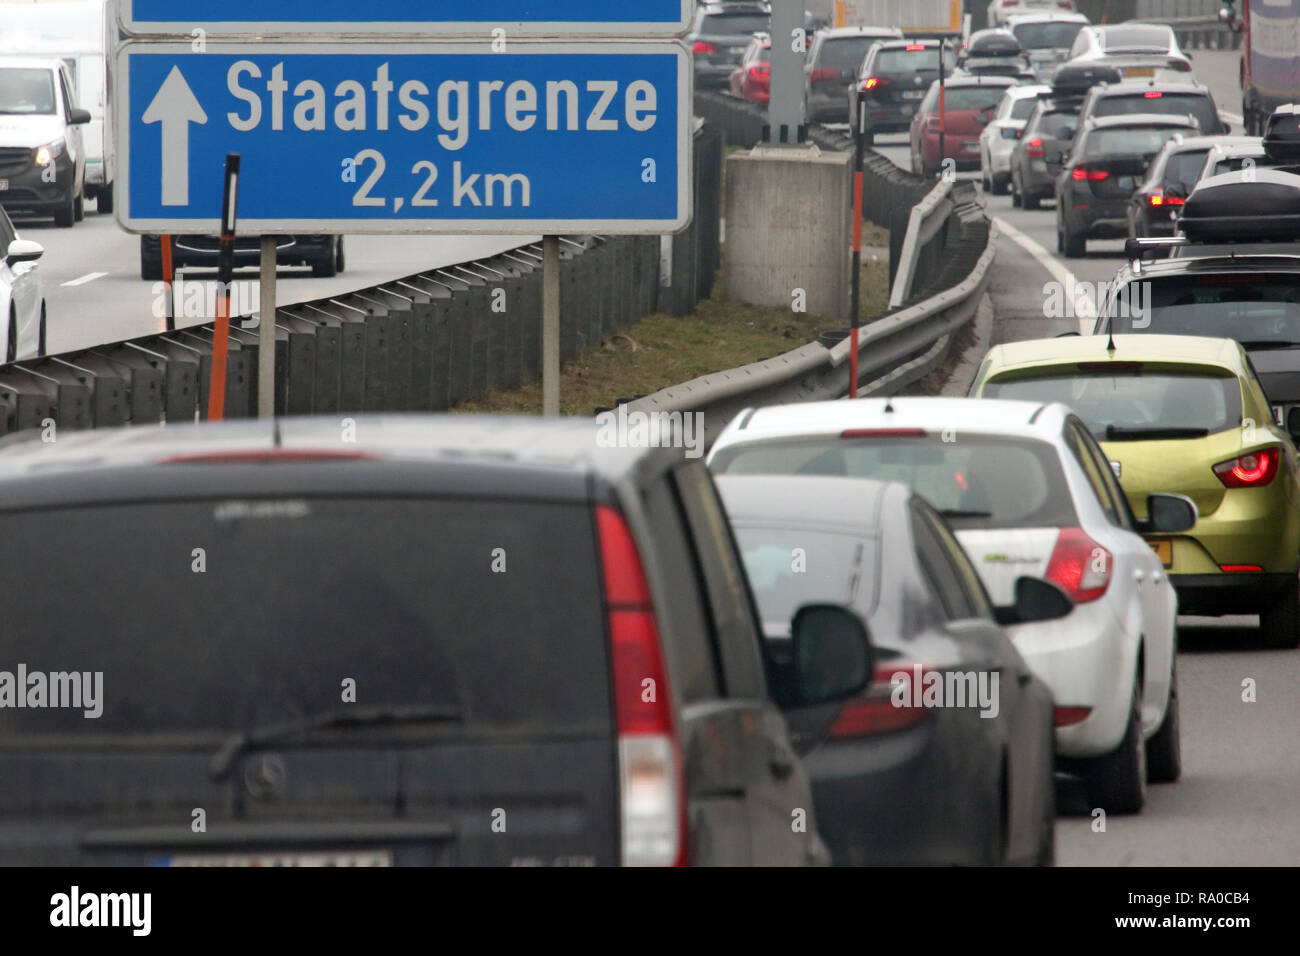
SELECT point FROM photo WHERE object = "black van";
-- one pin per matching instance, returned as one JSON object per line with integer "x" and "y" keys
{"x": 403, "y": 640}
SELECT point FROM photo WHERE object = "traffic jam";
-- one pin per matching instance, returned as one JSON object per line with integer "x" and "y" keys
{"x": 911, "y": 628}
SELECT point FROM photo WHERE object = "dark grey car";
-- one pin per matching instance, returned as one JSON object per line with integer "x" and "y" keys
{"x": 1036, "y": 159}
{"x": 896, "y": 783}
{"x": 720, "y": 36}
{"x": 834, "y": 59}
{"x": 450, "y": 641}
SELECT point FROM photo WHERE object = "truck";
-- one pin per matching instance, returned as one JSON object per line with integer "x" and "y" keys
{"x": 73, "y": 31}
{"x": 913, "y": 17}
{"x": 1270, "y": 67}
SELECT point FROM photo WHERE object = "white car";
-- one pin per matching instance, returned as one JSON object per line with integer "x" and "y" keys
{"x": 999, "y": 138}
{"x": 22, "y": 300}
{"x": 1028, "y": 492}
{"x": 1138, "y": 50}
{"x": 1002, "y": 10}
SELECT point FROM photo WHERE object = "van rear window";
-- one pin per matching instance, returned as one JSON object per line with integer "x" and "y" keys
{"x": 226, "y": 615}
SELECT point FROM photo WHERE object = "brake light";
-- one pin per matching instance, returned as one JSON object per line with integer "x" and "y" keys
{"x": 1249, "y": 471}
{"x": 914, "y": 47}
{"x": 1065, "y": 716}
{"x": 760, "y": 71}
{"x": 1239, "y": 568}
{"x": 651, "y": 791}
{"x": 883, "y": 433}
{"x": 1079, "y": 565}
{"x": 1082, "y": 172}
{"x": 1034, "y": 148}
{"x": 703, "y": 46}
{"x": 874, "y": 711}
{"x": 873, "y": 82}
{"x": 266, "y": 456}
{"x": 1158, "y": 198}
{"x": 1153, "y": 94}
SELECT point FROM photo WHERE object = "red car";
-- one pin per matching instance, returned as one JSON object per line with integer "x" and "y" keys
{"x": 969, "y": 105}
{"x": 752, "y": 79}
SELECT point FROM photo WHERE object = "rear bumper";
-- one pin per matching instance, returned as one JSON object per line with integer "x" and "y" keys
{"x": 203, "y": 251}
{"x": 1214, "y": 594}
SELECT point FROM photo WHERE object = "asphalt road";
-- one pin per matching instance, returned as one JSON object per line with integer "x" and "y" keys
{"x": 1241, "y": 759}
{"x": 94, "y": 293}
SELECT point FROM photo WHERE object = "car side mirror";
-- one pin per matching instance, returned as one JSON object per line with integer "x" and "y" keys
{"x": 23, "y": 250}
{"x": 830, "y": 657}
{"x": 1036, "y": 600}
{"x": 1169, "y": 514}
{"x": 78, "y": 117}
{"x": 1293, "y": 423}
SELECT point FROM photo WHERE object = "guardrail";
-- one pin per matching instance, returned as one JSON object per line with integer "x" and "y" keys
{"x": 938, "y": 230}
{"x": 1196, "y": 23}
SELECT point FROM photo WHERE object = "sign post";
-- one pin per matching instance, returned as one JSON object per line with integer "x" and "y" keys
{"x": 225, "y": 268}
{"x": 266, "y": 331}
{"x": 551, "y": 325}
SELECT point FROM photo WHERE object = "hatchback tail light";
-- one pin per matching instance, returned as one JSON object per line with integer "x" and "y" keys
{"x": 760, "y": 72}
{"x": 874, "y": 711}
{"x": 1249, "y": 471}
{"x": 1034, "y": 148}
{"x": 703, "y": 46}
{"x": 1082, "y": 172}
{"x": 651, "y": 785}
{"x": 874, "y": 82}
{"x": 1079, "y": 565}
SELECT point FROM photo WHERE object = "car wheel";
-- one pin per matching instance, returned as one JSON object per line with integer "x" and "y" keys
{"x": 985, "y": 181}
{"x": 1164, "y": 752}
{"x": 79, "y": 207}
{"x": 1279, "y": 622}
{"x": 66, "y": 214}
{"x": 1001, "y": 185}
{"x": 11, "y": 345}
{"x": 150, "y": 263}
{"x": 40, "y": 343}
{"x": 1117, "y": 781}
{"x": 104, "y": 199}
{"x": 324, "y": 266}
{"x": 1030, "y": 202}
{"x": 1073, "y": 244}
{"x": 1015, "y": 192}
{"x": 338, "y": 257}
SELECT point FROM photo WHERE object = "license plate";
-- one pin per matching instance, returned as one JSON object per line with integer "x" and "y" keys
{"x": 1127, "y": 182}
{"x": 1139, "y": 71}
{"x": 913, "y": 94}
{"x": 346, "y": 858}
{"x": 972, "y": 147}
{"x": 4, "y": 184}
{"x": 1164, "y": 551}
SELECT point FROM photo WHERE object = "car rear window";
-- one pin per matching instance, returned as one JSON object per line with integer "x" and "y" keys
{"x": 1057, "y": 35}
{"x": 791, "y": 567}
{"x": 985, "y": 481}
{"x": 902, "y": 60}
{"x": 26, "y": 92}
{"x": 1022, "y": 107}
{"x": 1136, "y": 37}
{"x": 228, "y": 615}
{"x": 1184, "y": 167}
{"x": 1253, "y": 308}
{"x": 1055, "y": 123}
{"x": 1129, "y": 140}
{"x": 734, "y": 23}
{"x": 1137, "y": 404}
{"x": 845, "y": 53}
{"x": 1200, "y": 107}
{"x": 965, "y": 97}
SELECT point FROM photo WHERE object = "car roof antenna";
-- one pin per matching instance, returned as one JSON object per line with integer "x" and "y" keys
{"x": 275, "y": 432}
{"x": 889, "y": 406}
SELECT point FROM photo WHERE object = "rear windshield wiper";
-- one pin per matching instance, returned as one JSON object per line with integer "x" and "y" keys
{"x": 1260, "y": 345}
{"x": 966, "y": 514}
{"x": 224, "y": 758}
{"x": 1152, "y": 432}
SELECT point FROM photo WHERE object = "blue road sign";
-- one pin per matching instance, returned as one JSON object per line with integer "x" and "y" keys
{"x": 339, "y": 137}
{"x": 409, "y": 18}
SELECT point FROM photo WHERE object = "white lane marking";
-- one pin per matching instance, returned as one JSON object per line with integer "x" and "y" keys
{"x": 1084, "y": 308}
{"x": 88, "y": 277}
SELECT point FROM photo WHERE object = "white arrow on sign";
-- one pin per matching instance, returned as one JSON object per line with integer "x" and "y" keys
{"x": 176, "y": 107}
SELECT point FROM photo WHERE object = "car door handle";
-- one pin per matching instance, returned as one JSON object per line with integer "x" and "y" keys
{"x": 781, "y": 761}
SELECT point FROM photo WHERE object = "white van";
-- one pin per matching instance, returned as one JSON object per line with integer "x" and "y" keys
{"x": 42, "y": 157}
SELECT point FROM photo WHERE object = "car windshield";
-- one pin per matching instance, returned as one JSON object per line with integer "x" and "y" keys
{"x": 845, "y": 53}
{"x": 1135, "y": 37}
{"x": 984, "y": 481}
{"x": 924, "y": 60}
{"x": 791, "y": 567}
{"x": 1055, "y": 124}
{"x": 26, "y": 91}
{"x": 296, "y": 596}
{"x": 1200, "y": 107}
{"x": 1249, "y": 307}
{"x": 729, "y": 24}
{"x": 1129, "y": 140}
{"x": 1053, "y": 35}
{"x": 1135, "y": 404}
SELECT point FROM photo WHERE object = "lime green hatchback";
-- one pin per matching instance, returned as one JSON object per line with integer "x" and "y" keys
{"x": 1184, "y": 414}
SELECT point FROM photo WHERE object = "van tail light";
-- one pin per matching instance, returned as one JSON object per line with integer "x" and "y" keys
{"x": 651, "y": 784}
{"x": 1034, "y": 148}
{"x": 703, "y": 46}
{"x": 1079, "y": 566}
{"x": 874, "y": 710}
{"x": 1082, "y": 172}
{"x": 1249, "y": 471}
